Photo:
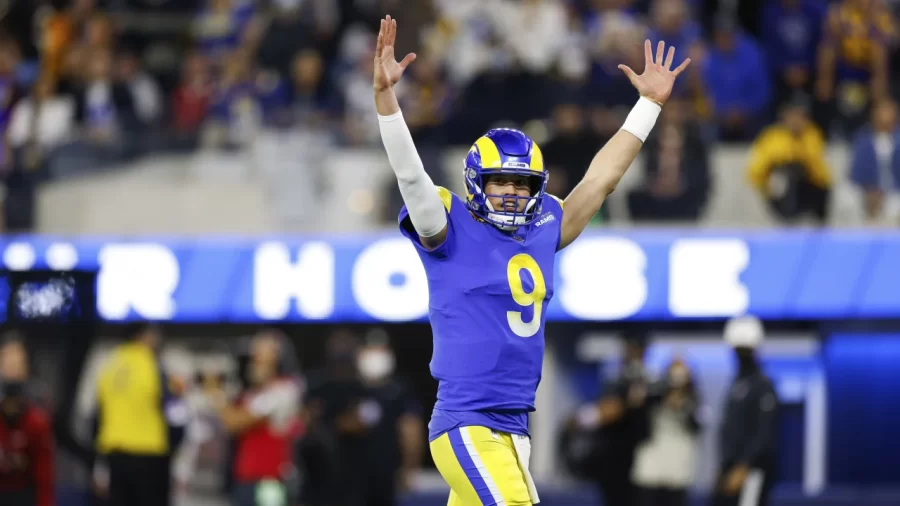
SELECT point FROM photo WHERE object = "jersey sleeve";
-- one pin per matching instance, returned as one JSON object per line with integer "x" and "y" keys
{"x": 451, "y": 205}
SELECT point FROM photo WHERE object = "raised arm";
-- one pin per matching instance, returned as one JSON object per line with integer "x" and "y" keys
{"x": 611, "y": 162}
{"x": 426, "y": 209}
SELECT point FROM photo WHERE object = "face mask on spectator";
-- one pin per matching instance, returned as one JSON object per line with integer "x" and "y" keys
{"x": 375, "y": 364}
{"x": 13, "y": 389}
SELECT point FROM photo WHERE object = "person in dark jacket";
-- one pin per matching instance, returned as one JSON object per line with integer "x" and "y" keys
{"x": 26, "y": 438}
{"x": 619, "y": 421}
{"x": 395, "y": 431}
{"x": 676, "y": 167}
{"x": 747, "y": 437}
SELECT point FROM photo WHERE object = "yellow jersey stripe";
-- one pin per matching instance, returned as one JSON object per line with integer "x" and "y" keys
{"x": 446, "y": 197}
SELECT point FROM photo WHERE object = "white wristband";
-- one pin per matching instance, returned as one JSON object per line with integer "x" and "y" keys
{"x": 642, "y": 118}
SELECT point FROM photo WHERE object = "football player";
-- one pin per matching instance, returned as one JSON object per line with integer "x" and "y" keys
{"x": 489, "y": 260}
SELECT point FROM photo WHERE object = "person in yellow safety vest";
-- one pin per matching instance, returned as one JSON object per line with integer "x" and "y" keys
{"x": 140, "y": 420}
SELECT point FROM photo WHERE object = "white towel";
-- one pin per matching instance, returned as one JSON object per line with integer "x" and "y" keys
{"x": 523, "y": 453}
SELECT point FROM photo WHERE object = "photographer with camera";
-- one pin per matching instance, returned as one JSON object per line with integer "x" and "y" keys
{"x": 665, "y": 462}
{"x": 615, "y": 425}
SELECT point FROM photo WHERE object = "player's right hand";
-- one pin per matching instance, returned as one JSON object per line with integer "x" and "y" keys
{"x": 387, "y": 69}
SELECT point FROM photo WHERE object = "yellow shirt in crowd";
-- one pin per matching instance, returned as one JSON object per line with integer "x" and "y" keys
{"x": 777, "y": 146}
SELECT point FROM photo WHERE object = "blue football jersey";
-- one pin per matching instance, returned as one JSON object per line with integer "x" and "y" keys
{"x": 488, "y": 296}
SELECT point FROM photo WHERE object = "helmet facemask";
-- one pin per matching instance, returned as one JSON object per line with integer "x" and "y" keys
{"x": 509, "y": 217}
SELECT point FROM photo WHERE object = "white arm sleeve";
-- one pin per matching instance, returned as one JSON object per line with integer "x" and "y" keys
{"x": 426, "y": 209}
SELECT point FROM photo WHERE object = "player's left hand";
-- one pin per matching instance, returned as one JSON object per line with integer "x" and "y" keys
{"x": 657, "y": 80}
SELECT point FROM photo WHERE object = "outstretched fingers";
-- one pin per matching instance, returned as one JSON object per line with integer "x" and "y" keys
{"x": 391, "y": 31}
{"x": 660, "y": 53}
{"x": 411, "y": 57}
{"x": 670, "y": 57}
{"x": 648, "y": 54}
{"x": 630, "y": 74}
{"x": 379, "y": 46}
{"x": 681, "y": 67}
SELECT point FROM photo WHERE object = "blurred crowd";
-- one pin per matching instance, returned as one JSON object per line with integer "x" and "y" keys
{"x": 185, "y": 421}
{"x": 639, "y": 442}
{"x": 174, "y": 424}
{"x": 86, "y": 84}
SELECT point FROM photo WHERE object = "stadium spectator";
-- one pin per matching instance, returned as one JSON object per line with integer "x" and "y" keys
{"x": 621, "y": 417}
{"x": 235, "y": 114}
{"x": 146, "y": 94}
{"x": 534, "y": 31}
{"x": 748, "y": 435}
{"x": 853, "y": 59}
{"x": 20, "y": 22}
{"x": 61, "y": 31}
{"x": 417, "y": 16}
{"x": 139, "y": 420}
{"x": 875, "y": 164}
{"x": 26, "y": 439}
{"x": 665, "y": 463}
{"x": 427, "y": 100}
{"x": 606, "y": 23}
{"x": 314, "y": 104}
{"x": 106, "y": 108}
{"x": 9, "y": 95}
{"x": 220, "y": 28}
{"x": 458, "y": 39}
{"x": 191, "y": 99}
{"x": 99, "y": 33}
{"x": 737, "y": 81}
{"x": 294, "y": 26}
{"x": 203, "y": 432}
{"x": 676, "y": 168}
{"x": 337, "y": 424}
{"x": 671, "y": 22}
{"x": 264, "y": 422}
{"x": 106, "y": 117}
{"x": 790, "y": 33}
{"x": 787, "y": 165}
{"x": 394, "y": 427}
{"x": 42, "y": 121}
{"x": 572, "y": 144}
{"x": 94, "y": 35}
{"x": 355, "y": 83}
{"x": 621, "y": 42}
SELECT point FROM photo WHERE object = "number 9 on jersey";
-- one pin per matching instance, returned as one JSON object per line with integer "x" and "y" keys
{"x": 533, "y": 298}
